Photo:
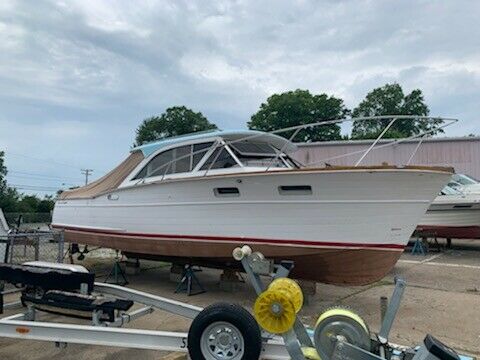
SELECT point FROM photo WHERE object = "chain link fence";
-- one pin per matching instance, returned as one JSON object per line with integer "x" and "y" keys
{"x": 17, "y": 248}
{"x": 27, "y": 221}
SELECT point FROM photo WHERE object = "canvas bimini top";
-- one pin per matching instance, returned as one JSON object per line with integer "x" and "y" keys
{"x": 240, "y": 150}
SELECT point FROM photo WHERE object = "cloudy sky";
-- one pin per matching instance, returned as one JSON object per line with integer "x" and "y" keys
{"x": 77, "y": 77}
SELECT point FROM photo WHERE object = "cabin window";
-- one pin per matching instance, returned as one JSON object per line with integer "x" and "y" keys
{"x": 198, "y": 154}
{"x": 295, "y": 190}
{"x": 160, "y": 164}
{"x": 142, "y": 174}
{"x": 183, "y": 161}
{"x": 174, "y": 161}
{"x": 220, "y": 159}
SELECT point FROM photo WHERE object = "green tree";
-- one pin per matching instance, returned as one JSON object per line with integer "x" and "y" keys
{"x": 391, "y": 100}
{"x": 8, "y": 196}
{"x": 13, "y": 202}
{"x": 46, "y": 204}
{"x": 177, "y": 120}
{"x": 300, "y": 107}
{"x": 3, "y": 170}
{"x": 28, "y": 204}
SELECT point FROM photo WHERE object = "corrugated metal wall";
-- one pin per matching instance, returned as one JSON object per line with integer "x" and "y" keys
{"x": 461, "y": 153}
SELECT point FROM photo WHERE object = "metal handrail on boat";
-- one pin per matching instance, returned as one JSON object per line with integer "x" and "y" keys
{"x": 296, "y": 129}
{"x": 421, "y": 136}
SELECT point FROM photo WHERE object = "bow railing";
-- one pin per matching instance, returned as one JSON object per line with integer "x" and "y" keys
{"x": 439, "y": 124}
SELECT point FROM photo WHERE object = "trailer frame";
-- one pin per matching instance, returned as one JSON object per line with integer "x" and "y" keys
{"x": 288, "y": 345}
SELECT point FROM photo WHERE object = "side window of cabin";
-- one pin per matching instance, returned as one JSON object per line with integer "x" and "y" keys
{"x": 160, "y": 164}
{"x": 142, "y": 174}
{"x": 199, "y": 151}
{"x": 221, "y": 159}
{"x": 157, "y": 166}
{"x": 183, "y": 157}
{"x": 185, "y": 161}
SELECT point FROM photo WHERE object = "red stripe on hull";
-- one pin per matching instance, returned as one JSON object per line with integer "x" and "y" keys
{"x": 234, "y": 239}
{"x": 333, "y": 265}
{"x": 452, "y": 232}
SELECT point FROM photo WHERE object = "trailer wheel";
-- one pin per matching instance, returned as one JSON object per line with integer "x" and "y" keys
{"x": 224, "y": 331}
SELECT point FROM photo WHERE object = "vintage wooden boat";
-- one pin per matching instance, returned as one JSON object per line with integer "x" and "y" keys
{"x": 195, "y": 198}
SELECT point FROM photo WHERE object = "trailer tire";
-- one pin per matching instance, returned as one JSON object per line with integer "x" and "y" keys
{"x": 224, "y": 331}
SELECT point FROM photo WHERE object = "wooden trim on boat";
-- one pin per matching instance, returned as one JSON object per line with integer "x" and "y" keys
{"x": 339, "y": 266}
{"x": 434, "y": 169}
{"x": 447, "y": 169}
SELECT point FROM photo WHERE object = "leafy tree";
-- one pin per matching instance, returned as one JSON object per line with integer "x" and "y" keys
{"x": 177, "y": 120}
{"x": 300, "y": 107}
{"x": 13, "y": 202}
{"x": 46, "y": 204}
{"x": 391, "y": 100}
{"x": 3, "y": 171}
{"x": 8, "y": 196}
{"x": 28, "y": 204}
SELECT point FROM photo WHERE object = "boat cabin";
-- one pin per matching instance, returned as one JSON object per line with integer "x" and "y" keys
{"x": 211, "y": 153}
{"x": 193, "y": 155}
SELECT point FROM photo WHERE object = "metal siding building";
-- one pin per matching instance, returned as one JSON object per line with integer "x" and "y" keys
{"x": 463, "y": 153}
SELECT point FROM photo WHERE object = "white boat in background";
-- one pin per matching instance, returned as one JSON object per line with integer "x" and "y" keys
{"x": 465, "y": 184}
{"x": 453, "y": 215}
{"x": 4, "y": 230}
{"x": 195, "y": 198}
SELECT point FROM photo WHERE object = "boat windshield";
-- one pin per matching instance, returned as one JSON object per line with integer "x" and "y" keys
{"x": 463, "y": 179}
{"x": 256, "y": 154}
{"x": 219, "y": 159}
{"x": 449, "y": 190}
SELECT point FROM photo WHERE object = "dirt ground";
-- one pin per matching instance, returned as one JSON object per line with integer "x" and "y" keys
{"x": 442, "y": 298}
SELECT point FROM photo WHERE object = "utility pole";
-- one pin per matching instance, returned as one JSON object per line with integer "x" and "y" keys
{"x": 86, "y": 172}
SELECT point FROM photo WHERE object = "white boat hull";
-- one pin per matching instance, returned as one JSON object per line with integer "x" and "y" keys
{"x": 453, "y": 216}
{"x": 350, "y": 229}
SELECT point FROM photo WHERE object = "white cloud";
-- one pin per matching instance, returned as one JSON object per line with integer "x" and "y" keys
{"x": 91, "y": 71}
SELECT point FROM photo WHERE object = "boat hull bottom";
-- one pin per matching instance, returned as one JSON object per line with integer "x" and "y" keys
{"x": 332, "y": 265}
{"x": 452, "y": 232}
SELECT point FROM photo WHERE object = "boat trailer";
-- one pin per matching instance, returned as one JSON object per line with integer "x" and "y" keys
{"x": 222, "y": 331}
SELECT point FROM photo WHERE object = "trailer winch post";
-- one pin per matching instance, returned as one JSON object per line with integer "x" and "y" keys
{"x": 295, "y": 338}
{"x": 392, "y": 310}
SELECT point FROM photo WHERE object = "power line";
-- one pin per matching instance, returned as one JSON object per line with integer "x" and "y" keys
{"x": 8, "y": 153}
{"x": 86, "y": 172}
{"x": 34, "y": 187}
{"x": 34, "y": 178}
{"x": 40, "y": 175}
{"x": 38, "y": 190}
{"x": 39, "y": 159}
